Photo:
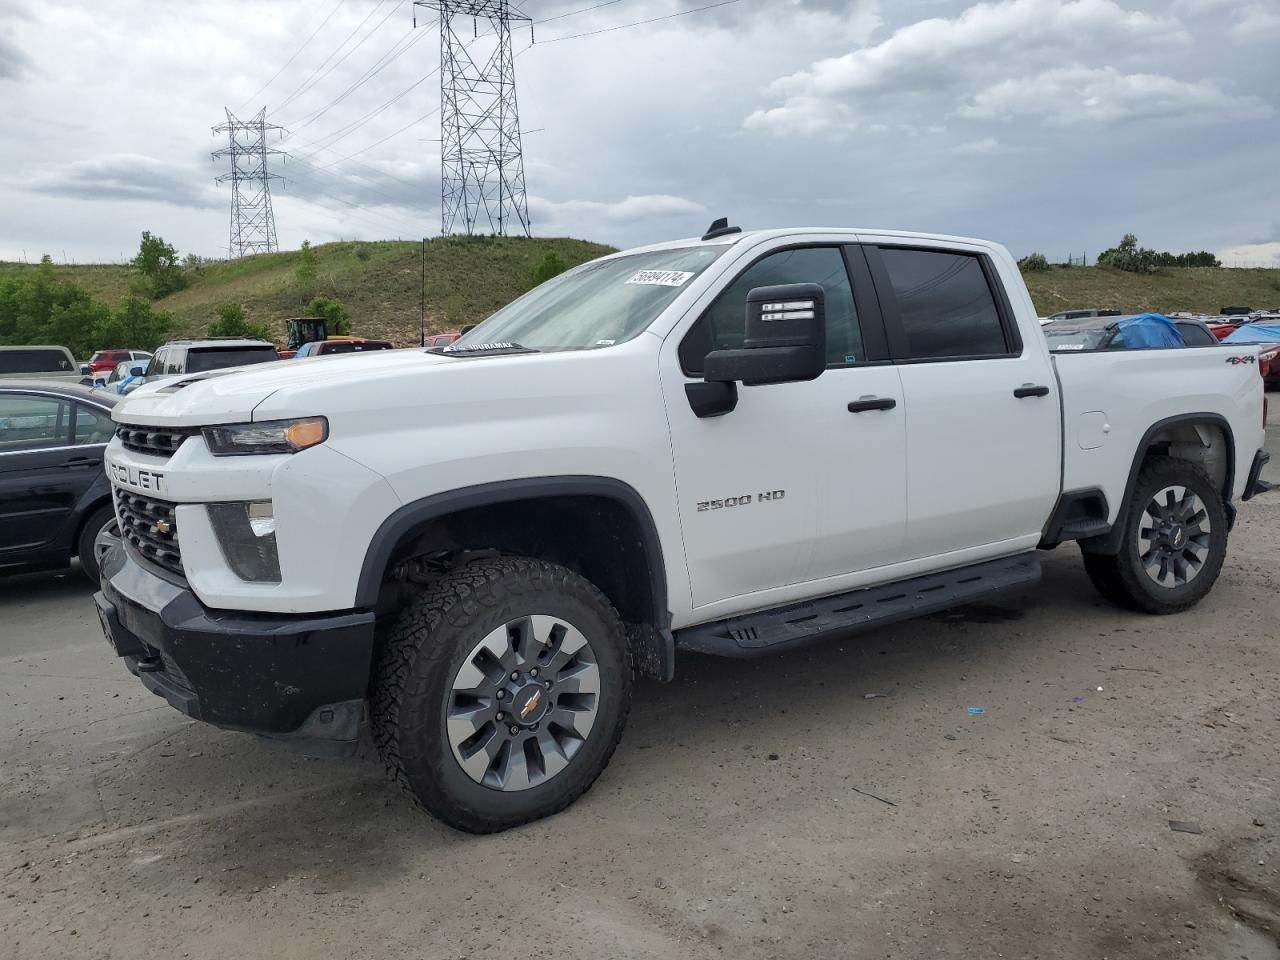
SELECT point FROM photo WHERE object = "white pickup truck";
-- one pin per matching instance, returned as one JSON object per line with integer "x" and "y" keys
{"x": 733, "y": 444}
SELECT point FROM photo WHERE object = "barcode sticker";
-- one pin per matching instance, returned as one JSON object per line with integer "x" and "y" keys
{"x": 662, "y": 278}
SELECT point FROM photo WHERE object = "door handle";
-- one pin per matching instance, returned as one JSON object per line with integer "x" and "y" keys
{"x": 872, "y": 403}
{"x": 1030, "y": 390}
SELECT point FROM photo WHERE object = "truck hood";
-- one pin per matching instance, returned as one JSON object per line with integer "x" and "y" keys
{"x": 230, "y": 396}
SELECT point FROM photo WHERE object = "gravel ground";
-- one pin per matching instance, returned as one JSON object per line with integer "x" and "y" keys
{"x": 839, "y": 801}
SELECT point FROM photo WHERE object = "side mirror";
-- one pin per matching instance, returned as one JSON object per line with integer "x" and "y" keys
{"x": 84, "y": 370}
{"x": 137, "y": 372}
{"x": 786, "y": 338}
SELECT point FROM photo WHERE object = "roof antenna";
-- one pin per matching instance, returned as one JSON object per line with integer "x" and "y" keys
{"x": 720, "y": 228}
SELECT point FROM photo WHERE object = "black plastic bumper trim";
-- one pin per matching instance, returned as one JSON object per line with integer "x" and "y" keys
{"x": 269, "y": 674}
{"x": 1255, "y": 483}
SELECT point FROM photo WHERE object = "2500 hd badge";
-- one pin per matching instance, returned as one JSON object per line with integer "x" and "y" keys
{"x": 137, "y": 477}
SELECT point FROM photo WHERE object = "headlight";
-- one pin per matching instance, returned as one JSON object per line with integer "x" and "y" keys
{"x": 247, "y": 534}
{"x": 269, "y": 436}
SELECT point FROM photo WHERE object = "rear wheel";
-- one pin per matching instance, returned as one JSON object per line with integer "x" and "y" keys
{"x": 1174, "y": 543}
{"x": 501, "y": 692}
{"x": 98, "y": 535}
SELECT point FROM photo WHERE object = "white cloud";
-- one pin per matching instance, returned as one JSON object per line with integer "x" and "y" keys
{"x": 1071, "y": 95}
{"x": 1256, "y": 23}
{"x": 942, "y": 60}
{"x": 628, "y": 211}
{"x": 1252, "y": 255}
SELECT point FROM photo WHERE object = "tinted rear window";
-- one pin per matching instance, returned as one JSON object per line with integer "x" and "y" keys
{"x": 945, "y": 303}
{"x": 1195, "y": 335}
{"x": 33, "y": 361}
{"x": 216, "y": 358}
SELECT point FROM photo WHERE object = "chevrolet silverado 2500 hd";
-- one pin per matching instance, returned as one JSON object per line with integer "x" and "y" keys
{"x": 734, "y": 444}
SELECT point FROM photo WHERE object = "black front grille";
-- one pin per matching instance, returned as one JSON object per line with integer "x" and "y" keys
{"x": 161, "y": 441}
{"x": 151, "y": 527}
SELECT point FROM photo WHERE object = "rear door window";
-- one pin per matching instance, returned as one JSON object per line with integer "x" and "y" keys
{"x": 30, "y": 422}
{"x": 92, "y": 425}
{"x": 946, "y": 307}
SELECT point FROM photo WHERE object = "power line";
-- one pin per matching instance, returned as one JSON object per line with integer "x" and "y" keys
{"x": 641, "y": 23}
{"x": 302, "y": 87}
{"x": 574, "y": 13}
{"x": 295, "y": 55}
{"x": 363, "y": 40}
{"x": 379, "y": 65}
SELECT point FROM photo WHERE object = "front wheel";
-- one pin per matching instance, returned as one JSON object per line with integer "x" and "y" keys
{"x": 501, "y": 692}
{"x": 1175, "y": 541}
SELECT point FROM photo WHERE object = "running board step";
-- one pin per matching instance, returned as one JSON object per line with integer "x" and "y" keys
{"x": 754, "y": 634}
{"x": 1085, "y": 528}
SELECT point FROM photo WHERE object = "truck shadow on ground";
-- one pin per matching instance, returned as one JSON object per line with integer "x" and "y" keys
{"x": 246, "y": 817}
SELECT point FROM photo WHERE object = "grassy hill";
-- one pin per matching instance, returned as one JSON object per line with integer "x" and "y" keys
{"x": 470, "y": 277}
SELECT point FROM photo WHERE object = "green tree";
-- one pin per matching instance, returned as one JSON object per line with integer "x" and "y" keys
{"x": 158, "y": 263}
{"x": 1033, "y": 262}
{"x": 334, "y": 313}
{"x": 306, "y": 271}
{"x": 551, "y": 265}
{"x": 232, "y": 322}
{"x": 135, "y": 324}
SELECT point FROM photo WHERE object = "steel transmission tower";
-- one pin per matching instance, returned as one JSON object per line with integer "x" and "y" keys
{"x": 481, "y": 163}
{"x": 253, "y": 225}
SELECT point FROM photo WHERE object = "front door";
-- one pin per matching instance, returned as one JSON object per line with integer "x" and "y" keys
{"x": 792, "y": 486}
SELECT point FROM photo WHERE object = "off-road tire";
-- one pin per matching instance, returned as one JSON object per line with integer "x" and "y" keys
{"x": 102, "y": 517}
{"x": 420, "y": 655}
{"x": 1122, "y": 578}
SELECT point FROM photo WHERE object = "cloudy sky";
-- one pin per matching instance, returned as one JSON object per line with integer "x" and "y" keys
{"x": 1050, "y": 125}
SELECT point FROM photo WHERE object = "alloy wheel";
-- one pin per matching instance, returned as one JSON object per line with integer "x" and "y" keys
{"x": 1173, "y": 536}
{"x": 523, "y": 702}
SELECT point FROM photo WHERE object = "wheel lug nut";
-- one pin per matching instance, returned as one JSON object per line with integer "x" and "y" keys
{"x": 514, "y": 729}
{"x": 533, "y": 672}
{"x": 502, "y": 694}
{"x": 515, "y": 675}
{"x": 501, "y": 717}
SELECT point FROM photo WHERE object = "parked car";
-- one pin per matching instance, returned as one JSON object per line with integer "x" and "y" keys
{"x": 104, "y": 361}
{"x": 1267, "y": 336}
{"x": 55, "y": 501}
{"x": 1081, "y": 314}
{"x": 733, "y": 444}
{"x": 441, "y": 339}
{"x": 126, "y": 375}
{"x": 179, "y": 357}
{"x": 321, "y": 348}
{"x": 44, "y": 362}
{"x": 1109, "y": 333}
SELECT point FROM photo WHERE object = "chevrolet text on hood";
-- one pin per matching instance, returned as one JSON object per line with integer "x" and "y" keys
{"x": 732, "y": 444}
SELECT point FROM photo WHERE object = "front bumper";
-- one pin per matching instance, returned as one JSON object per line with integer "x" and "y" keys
{"x": 300, "y": 679}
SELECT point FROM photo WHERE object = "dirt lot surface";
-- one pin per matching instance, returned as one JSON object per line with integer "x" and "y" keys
{"x": 840, "y": 801}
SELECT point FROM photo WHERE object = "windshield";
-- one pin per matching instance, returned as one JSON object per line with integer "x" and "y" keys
{"x": 1088, "y": 339}
{"x": 596, "y": 305}
{"x": 216, "y": 359}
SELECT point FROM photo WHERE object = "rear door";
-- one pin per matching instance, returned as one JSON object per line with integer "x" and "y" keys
{"x": 983, "y": 445}
{"x": 38, "y": 490}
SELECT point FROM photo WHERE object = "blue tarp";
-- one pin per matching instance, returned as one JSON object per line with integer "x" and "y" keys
{"x": 1149, "y": 330}
{"x": 1255, "y": 333}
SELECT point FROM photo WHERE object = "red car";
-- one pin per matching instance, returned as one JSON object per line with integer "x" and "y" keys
{"x": 104, "y": 361}
{"x": 441, "y": 339}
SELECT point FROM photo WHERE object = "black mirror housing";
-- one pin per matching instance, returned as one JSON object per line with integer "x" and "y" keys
{"x": 786, "y": 338}
{"x": 136, "y": 372}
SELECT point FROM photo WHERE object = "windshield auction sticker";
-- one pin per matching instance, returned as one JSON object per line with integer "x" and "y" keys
{"x": 662, "y": 278}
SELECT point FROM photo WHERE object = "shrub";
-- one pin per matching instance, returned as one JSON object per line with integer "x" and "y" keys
{"x": 1033, "y": 262}
{"x": 157, "y": 261}
{"x": 232, "y": 322}
{"x": 333, "y": 311}
{"x": 552, "y": 265}
{"x": 306, "y": 272}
